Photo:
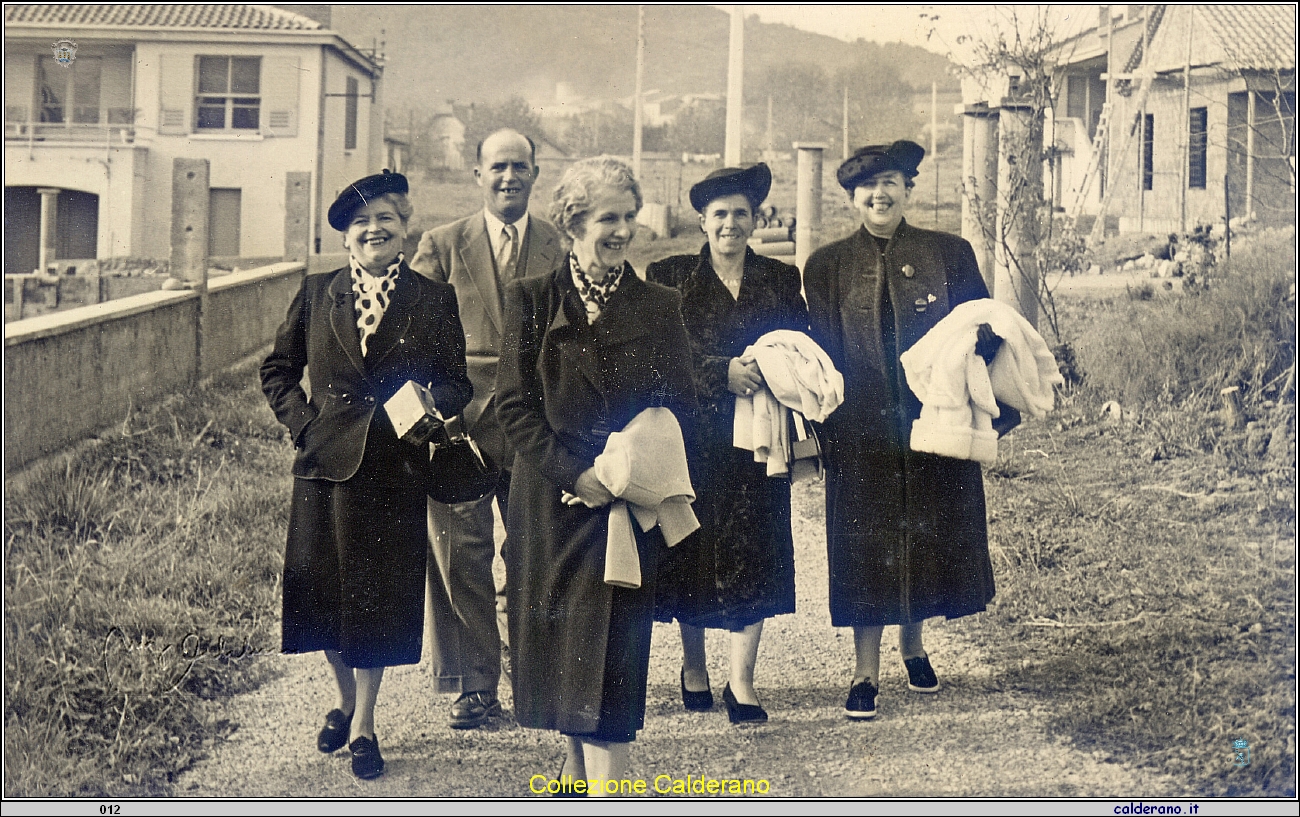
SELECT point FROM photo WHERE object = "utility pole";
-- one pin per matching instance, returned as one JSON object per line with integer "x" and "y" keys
{"x": 846, "y": 123}
{"x": 934, "y": 140}
{"x": 735, "y": 86}
{"x": 771, "y": 140}
{"x": 636, "y": 103}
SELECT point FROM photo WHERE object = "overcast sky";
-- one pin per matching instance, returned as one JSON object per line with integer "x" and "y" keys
{"x": 916, "y": 25}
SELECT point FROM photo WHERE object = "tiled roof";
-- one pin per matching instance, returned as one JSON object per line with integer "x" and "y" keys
{"x": 1253, "y": 36}
{"x": 207, "y": 15}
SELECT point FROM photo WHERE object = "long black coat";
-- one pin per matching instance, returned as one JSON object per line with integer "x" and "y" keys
{"x": 738, "y": 569}
{"x": 906, "y": 532}
{"x": 354, "y": 564}
{"x": 581, "y": 648}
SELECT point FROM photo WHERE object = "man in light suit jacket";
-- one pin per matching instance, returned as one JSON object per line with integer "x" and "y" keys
{"x": 478, "y": 255}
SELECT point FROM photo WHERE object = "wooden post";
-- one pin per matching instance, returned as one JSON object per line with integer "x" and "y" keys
{"x": 846, "y": 123}
{"x": 1250, "y": 155}
{"x": 1231, "y": 409}
{"x": 735, "y": 86}
{"x": 1187, "y": 132}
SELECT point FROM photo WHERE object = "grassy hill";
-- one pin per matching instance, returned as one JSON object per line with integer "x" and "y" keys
{"x": 490, "y": 53}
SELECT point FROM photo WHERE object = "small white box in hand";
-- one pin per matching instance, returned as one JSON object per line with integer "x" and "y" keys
{"x": 413, "y": 414}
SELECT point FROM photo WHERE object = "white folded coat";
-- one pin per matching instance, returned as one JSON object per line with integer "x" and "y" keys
{"x": 959, "y": 393}
{"x": 797, "y": 375}
{"x": 644, "y": 465}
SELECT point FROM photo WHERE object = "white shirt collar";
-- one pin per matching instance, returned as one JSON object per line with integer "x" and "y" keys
{"x": 496, "y": 225}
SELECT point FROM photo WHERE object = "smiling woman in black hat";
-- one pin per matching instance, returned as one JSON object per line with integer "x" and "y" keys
{"x": 738, "y": 569}
{"x": 906, "y": 531}
{"x": 355, "y": 563}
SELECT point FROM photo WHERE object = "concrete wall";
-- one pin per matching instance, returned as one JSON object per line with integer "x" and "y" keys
{"x": 69, "y": 374}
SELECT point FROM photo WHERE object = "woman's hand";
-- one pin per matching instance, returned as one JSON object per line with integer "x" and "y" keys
{"x": 743, "y": 376}
{"x": 589, "y": 491}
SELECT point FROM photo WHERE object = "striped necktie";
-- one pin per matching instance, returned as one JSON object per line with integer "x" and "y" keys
{"x": 508, "y": 255}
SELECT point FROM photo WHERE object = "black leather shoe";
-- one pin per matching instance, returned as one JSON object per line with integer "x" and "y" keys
{"x": 696, "y": 701}
{"x": 472, "y": 710}
{"x": 335, "y": 734}
{"x": 367, "y": 763}
{"x": 739, "y": 713}
{"x": 861, "y": 704}
{"x": 920, "y": 675}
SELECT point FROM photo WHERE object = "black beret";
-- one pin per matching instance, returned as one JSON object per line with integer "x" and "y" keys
{"x": 903, "y": 156}
{"x": 359, "y": 193}
{"x": 753, "y": 182}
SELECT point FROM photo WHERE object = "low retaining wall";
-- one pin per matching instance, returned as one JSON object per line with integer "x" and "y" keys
{"x": 70, "y": 374}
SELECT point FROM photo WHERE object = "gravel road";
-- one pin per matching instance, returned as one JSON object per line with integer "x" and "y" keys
{"x": 974, "y": 738}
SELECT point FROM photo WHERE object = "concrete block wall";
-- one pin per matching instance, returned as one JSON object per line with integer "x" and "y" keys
{"x": 70, "y": 374}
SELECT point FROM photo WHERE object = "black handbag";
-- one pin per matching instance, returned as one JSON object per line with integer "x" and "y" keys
{"x": 458, "y": 470}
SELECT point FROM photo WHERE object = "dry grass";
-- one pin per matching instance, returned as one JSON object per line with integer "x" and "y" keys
{"x": 141, "y": 579}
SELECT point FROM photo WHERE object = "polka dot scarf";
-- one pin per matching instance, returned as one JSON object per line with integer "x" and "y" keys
{"x": 374, "y": 293}
{"x": 594, "y": 295}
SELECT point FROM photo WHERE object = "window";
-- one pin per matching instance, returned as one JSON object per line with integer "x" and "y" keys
{"x": 229, "y": 96}
{"x": 70, "y": 94}
{"x": 350, "y": 120}
{"x": 1148, "y": 151}
{"x": 1196, "y": 146}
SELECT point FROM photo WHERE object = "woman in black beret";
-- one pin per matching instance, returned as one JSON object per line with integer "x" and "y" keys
{"x": 738, "y": 569}
{"x": 906, "y": 533}
{"x": 355, "y": 562}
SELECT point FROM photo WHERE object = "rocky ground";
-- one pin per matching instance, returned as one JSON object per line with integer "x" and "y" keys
{"x": 977, "y": 737}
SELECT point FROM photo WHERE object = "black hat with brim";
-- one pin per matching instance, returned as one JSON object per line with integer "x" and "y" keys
{"x": 903, "y": 156}
{"x": 752, "y": 182}
{"x": 359, "y": 193}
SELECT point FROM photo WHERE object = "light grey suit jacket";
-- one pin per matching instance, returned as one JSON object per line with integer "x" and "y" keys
{"x": 460, "y": 253}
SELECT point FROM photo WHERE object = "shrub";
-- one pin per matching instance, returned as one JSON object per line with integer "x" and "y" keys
{"x": 1240, "y": 331}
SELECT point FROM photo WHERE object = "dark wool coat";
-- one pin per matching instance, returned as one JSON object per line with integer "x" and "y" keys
{"x": 906, "y": 532}
{"x": 738, "y": 569}
{"x": 580, "y": 647}
{"x": 355, "y": 561}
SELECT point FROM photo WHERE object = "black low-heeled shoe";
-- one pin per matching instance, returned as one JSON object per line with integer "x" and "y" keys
{"x": 367, "y": 763}
{"x": 696, "y": 701}
{"x": 334, "y": 735}
{"x": 739, "y": 713}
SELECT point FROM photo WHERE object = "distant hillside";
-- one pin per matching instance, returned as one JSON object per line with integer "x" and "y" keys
{"x": 490, "y": 53}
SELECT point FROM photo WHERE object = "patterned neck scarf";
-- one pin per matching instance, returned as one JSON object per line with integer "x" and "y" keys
{"x": 374, "y": 293}
{"x": 594, "y": 295}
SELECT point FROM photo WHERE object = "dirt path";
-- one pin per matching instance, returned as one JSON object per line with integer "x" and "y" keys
{"x": 974, "y": 738}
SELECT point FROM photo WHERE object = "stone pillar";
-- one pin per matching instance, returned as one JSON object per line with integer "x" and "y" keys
{"x": 297, "y": 215}
{"x": 979, "y": 173}
{"x": 189, "y": 255}
{"x": 49, "y": 227}
{"x": 1019, "y": 196}
{"x": 808, "y": 201}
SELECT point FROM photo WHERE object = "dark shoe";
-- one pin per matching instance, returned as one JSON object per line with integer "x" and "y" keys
{"x": 367, "y": 763}
{"x": 696, "y": 701}
{"x": 739, "y": 713}
{"x": 335, "y": 734}
{"x": 472, "y": 710}
{"x": 920, "y": 675}
{"x": 861, "y": 704}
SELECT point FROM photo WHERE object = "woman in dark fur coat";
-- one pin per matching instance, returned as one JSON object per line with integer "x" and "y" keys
{"x": 738, "y": 569}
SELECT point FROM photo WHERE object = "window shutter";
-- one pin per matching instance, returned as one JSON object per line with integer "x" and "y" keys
{"x": 175, "y": 94}
{"x": 280, "y": 79}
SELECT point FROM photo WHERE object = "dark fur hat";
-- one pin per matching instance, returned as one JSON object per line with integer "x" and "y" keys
{"x": 903, "y": 156}
{"x": 752, "y": 182}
